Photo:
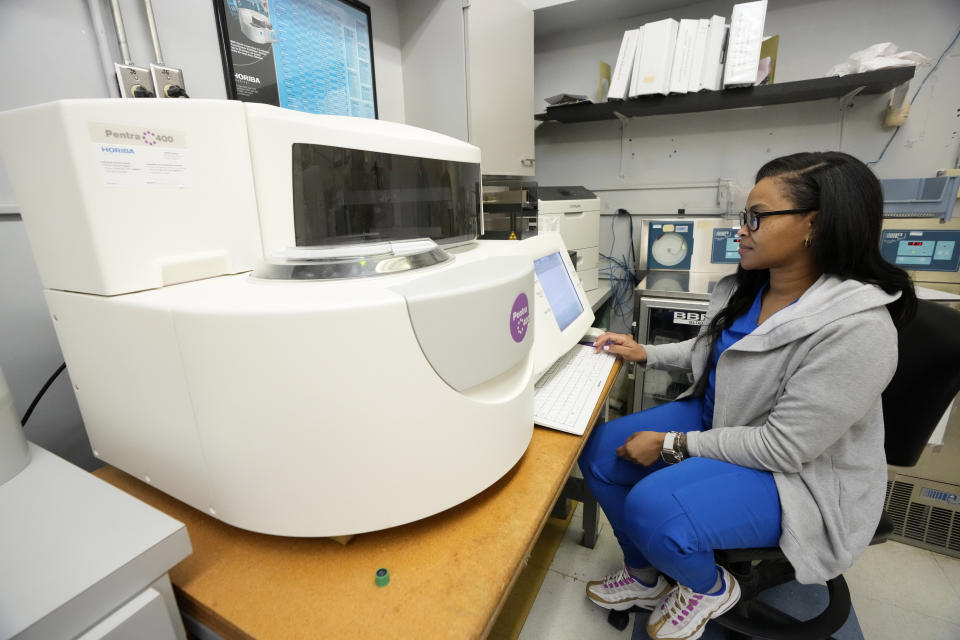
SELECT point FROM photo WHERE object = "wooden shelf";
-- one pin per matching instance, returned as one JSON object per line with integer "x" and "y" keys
{"x": 787, "y": 92}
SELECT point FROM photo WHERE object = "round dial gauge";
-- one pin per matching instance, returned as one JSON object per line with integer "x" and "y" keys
{"x": 669, "y": 249}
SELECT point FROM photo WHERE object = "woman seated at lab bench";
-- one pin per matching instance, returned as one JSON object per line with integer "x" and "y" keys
{"x": 779, "y": 442}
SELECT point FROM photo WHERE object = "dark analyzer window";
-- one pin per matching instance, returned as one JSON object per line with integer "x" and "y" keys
{"x": 343, "y": 196}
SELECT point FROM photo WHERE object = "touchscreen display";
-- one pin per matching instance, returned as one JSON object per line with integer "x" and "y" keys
{"x": 559, "y": 289}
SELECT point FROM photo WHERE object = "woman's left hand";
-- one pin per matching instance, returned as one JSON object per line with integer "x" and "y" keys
{"x": 643, "y": 447}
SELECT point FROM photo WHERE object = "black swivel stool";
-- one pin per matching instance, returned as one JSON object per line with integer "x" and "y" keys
{"x": 926, "y": 381}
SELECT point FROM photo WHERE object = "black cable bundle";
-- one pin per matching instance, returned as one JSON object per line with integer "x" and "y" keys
{"x": 621, "y": 272}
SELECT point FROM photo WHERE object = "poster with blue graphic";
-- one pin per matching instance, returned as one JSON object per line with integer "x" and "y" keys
{"x": 309, "y": 55}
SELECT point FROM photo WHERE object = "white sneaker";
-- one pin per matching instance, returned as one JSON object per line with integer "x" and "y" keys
{"x": 683, "y": 614}
{"x": 620, "y": 591}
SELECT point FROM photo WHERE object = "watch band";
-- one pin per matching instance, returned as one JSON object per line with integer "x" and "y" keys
{"x": 674, "y": 447}
{"x": 680, "y": 444}
{"x": 668, "y": 440}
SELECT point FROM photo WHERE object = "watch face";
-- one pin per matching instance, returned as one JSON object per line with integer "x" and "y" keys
{"x": 670, "y": 457}
{"x": 669, "y": 249}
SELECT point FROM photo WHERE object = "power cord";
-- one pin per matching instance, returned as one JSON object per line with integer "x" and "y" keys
{"x": 141, "y": 91}
{"x": 175, "y": 91}
{"x": 43, "y": 390}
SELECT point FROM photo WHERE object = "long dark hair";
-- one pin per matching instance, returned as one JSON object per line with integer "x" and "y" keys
{"x": 846, "y": 232}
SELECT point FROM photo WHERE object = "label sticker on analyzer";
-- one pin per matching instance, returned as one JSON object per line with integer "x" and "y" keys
{"x": 140, "y": 156}
{"x": 519, "y": 318}
{"x": 695, "y": 318}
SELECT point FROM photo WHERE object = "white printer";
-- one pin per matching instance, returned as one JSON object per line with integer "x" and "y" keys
{"x": 575, "y": 213}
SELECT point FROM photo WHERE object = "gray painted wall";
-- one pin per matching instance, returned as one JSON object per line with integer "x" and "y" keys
{"x": 655, "y": 165}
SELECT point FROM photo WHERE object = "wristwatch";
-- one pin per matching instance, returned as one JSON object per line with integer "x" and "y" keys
{"x": 674, "y": 447}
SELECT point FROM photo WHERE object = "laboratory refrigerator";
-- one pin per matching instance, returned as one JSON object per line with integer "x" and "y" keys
{"x": 670, "y": 307}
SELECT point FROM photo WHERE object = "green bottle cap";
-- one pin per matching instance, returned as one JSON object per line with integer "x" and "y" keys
{"x": 383, "y": 577}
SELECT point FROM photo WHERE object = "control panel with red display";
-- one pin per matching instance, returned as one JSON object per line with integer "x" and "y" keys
{"x": 922, "y": 250}
{"x": 725, "y": 247}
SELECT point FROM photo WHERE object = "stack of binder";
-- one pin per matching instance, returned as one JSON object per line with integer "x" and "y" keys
{"x": 686, "y": 56}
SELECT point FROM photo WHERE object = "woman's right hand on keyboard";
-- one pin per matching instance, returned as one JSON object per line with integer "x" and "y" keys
{"x": 621, "y": 345}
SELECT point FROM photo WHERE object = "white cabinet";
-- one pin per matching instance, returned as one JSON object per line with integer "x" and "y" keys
{"x": 81, "y": 559}
{"x": 468, "y": 73}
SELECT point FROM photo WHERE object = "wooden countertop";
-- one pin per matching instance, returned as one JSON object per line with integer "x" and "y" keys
{"x": 449, "y": 574}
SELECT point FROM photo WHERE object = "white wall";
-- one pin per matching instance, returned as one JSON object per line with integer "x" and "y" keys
{"x": 700, "y": 148}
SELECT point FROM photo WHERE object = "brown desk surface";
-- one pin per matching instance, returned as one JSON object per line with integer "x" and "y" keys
{"x": 449, "y": 574}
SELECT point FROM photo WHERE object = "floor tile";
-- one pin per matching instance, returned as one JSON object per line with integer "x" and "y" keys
{"x": 898, "y": 591}
{"x": 906, "y": 576}
{"x": 881, "y": 620}
{"x": 951, "y": 569}
{"x": 576, "y": 561}
{"x": 562, "y": 612}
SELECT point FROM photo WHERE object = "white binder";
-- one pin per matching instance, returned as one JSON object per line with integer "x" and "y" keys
{"x": 624, "y": 69}
{"x": 743, "y": 46}
{"x": 713, "y": 56}
{"x": 698, "y": 57}
{"x": 651, "y": 71}
{"x": 683, "y": 56}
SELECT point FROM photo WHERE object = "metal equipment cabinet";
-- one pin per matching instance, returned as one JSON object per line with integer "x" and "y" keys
{"x": 468, "y": 73}
{"x": 670, "y": 307}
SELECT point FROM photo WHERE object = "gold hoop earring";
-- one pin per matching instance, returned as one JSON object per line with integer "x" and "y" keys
{"x": 806, "y": 242}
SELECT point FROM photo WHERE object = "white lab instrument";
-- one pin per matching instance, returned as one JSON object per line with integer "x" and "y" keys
{"x": 256, "y": 26}
{"x": 325, "y": 393}
{"x": 574, "y": 212}
{"x": 569, "y": 376}
{"x": 561, "y": 310}
{"x": 697, "y": 244}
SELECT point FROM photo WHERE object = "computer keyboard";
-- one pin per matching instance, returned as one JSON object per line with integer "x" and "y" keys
{"x": 567, "y": 392}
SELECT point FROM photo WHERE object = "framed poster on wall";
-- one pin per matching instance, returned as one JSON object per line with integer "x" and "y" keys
{"x": 308, "y": 55}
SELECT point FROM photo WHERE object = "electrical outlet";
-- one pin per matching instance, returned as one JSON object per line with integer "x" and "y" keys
{"x": 135, "y": 82}
{"x": 168, "y": 81}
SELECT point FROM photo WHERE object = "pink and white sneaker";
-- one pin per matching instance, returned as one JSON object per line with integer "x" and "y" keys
{"x": 683, "y": 614}
{"x": 620, "y": 591}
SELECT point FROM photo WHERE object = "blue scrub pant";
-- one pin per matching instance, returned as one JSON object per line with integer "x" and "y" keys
{"x": 674, "y": 516}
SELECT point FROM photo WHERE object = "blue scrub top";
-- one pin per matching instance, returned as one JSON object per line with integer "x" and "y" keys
{"x": 740, "y": 327}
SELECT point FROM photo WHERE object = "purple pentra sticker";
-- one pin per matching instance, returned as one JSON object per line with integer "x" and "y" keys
{"x": 519, "y": 317}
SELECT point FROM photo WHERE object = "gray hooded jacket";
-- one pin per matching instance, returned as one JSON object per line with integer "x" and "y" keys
{"x": 800, "y": 396}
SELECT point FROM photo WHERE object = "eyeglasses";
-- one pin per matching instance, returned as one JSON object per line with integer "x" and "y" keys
{"x": 750, "y": 218}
